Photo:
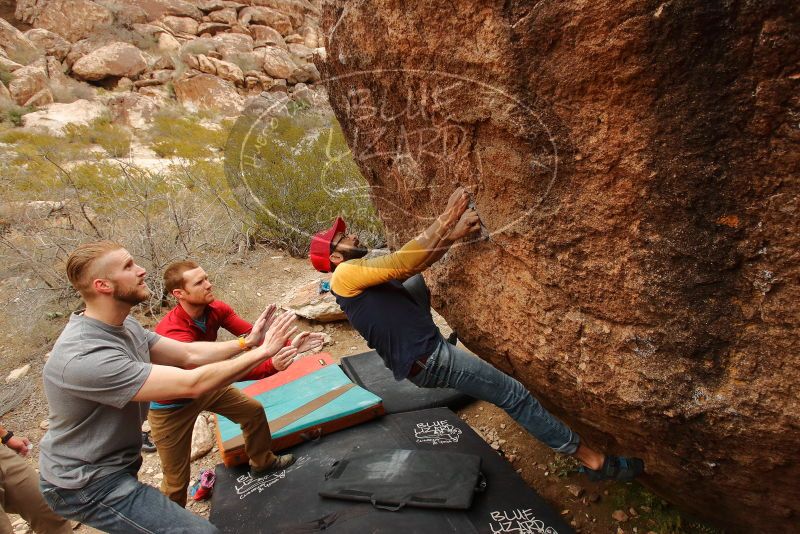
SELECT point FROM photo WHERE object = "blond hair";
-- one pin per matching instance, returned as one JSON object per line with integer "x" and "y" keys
{"x": 80, "y": 262}
{"x": 173, "y": 276}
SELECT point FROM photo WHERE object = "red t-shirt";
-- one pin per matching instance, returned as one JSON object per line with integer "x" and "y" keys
{"x": 179, "y": 326}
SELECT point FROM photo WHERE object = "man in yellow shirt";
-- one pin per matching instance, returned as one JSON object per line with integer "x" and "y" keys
{"x": 386, "y": 300}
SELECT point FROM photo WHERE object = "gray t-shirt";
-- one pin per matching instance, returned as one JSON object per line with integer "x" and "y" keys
{"x": 93, "y": 372}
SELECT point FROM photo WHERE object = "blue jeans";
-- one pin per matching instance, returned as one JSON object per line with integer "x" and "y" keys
{"x": 451, "y": 367}
{"x": 119, "y": 503}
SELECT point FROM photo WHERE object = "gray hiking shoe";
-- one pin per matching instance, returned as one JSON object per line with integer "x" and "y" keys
{"x": 281, "y": 462}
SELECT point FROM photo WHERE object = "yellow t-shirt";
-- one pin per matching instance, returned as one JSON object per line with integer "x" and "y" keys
{"x": 353, "y": 276}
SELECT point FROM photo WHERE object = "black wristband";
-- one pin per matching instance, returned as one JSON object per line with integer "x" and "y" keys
{"x": 7, "y": 437}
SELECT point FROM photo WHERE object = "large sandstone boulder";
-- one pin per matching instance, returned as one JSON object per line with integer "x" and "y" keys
{"x": 208, "y": 92}
{"x": 277, "y": 62}
{"x": 73, "y": 19}
{"x": 635, "y": 165}
{"x": 55, "y": 116}
{"x": 167, "y": 43}
{"x": 312, "y": 38}
{"x": 305, "y": 73}
{"x": 210, "y": 65}
{"x": 115, "y": 59}
{"x": 232, "y": 43}
{"x": 28, "y": 81}
{"x": 28, "y": 10}
{"x": 86, "y": 46}
{"x": 225, "y": 16}
{"x": 49, "y": 42}
{"x": 202, "y": 438}
{"x": 269, "y": 17}
{"x": 133, "y": 109}
{"x": 16, "y": 45}
{"x": 296, "y": 10}
{"x": 157, "y": 9}
{"x": 181, "y": 25}
{"x": 6, "y": 64}
{"x": 310, "y": 302}
{"x": 266, "y": 36}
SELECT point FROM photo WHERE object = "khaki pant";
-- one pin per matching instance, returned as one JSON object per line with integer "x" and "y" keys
{"x": 19, "y": 494}
{"x": 171, "y": 429}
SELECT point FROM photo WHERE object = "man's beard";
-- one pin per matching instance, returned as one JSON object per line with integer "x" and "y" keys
{"x": 354, "y": 253}
{"x": 133, "y": 296}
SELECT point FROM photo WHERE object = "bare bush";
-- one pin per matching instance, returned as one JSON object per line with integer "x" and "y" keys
{"x": 160, "y": 218}
{"x": 66, "y": 90}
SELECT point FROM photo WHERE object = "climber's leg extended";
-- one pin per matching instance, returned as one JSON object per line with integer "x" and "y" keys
{"x": 451, "y": 367}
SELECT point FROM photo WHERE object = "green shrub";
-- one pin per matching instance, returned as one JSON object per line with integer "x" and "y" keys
{"x": 115, "y": 139}
{"x": 176, "y": 134}
{"x": 295, "y": 175}
{"x": 35, "y": 156}
{"x": 5, "y": 76}
{"x": 12, "y": 113}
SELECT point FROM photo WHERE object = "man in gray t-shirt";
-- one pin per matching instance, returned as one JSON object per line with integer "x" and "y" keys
{"x": 93, "y": 372}
{"x": 101, "y": 375}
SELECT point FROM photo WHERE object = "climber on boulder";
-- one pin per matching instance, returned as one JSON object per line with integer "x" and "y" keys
{"x": 386, "y": 300}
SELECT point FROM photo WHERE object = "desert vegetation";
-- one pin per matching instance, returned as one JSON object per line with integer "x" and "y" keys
{"x": 87, "y": 184}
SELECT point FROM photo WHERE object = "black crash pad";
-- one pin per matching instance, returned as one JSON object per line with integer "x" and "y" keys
{"x": 287, "y": 501}
{"x": 394, "y": 478}
{"x": 368, "y": 371}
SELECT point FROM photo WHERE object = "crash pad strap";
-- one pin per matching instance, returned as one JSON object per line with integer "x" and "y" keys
{"x": 294, "y": 415}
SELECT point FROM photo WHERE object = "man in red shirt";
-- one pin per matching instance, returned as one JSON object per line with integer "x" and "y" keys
{"x": 198, "y": 317}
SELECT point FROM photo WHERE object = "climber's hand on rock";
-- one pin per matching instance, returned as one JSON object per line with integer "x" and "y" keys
{"x": 469, "y": 223}
{"x": 456, "y": 205}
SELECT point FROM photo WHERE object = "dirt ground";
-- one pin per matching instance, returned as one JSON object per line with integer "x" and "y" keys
{"x": 268, "y": 276}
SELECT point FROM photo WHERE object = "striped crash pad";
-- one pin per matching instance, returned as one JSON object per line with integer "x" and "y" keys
{"x": 368, "y": 371}
{"x": 311, "y": 398}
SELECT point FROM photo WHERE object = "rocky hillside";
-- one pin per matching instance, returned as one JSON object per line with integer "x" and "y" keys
{"x": 138, "y": 55}
{"x": 635, "y": 164}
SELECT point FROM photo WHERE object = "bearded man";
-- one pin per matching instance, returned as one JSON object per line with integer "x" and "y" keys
{"x": 102, "y": 373}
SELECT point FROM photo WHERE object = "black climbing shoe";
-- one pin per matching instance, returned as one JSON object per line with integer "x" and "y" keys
{"x": 452, "y": 338}
{"x": 616, "y": 468}
{"x": 281, "y": 462}
{"x": 147, "y": 444}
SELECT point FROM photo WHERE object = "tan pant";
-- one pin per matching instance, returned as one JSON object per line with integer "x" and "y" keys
{"x": 19, "y": 494}
{"x": 171, "y": 429}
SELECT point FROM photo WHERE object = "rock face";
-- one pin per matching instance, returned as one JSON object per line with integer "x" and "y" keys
{"x": 73, "y": 19}
{"x": 115, "y": 59}
{"x": 17, "y": 46}
{"x": 28, "y": 81}
{"x": 207, "y": 92}
{"x": 202, "y": 438}
{"x": 51, "y": 43}
{"x": 139, "y": 45}
{"x": 307, "y": 301}
{"x": 636, "y": 167}
{"x": 55, "y": 116}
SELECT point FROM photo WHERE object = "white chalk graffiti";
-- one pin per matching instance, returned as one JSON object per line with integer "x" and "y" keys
{"x": 518, "y": 521}
{"x": 437, "y": 433}
{"x": 247, "y": 485}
